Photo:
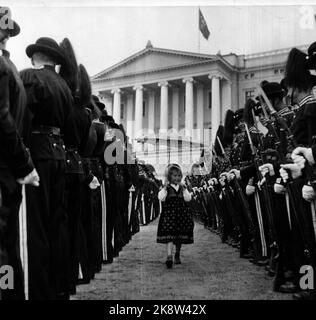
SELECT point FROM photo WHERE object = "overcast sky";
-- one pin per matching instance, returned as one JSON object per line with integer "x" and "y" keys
{"x": 102, "y": 36}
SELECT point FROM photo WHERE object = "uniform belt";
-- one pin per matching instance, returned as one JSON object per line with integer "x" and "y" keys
{"x": 46, "y": 130}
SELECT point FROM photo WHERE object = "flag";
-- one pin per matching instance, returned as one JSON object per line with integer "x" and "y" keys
{"x": 203, "y": 26}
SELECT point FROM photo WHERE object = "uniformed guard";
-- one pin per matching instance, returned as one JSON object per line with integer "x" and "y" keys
{"x": 16, "y": 166}
{"x": 300, "y": 83}
{"x": 76, "y": 137}
{"x": 91, "y": 183}
{"x": 49, "y": 102}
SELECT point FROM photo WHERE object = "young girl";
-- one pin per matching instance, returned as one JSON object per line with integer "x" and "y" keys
{"x": 175, "y": 224}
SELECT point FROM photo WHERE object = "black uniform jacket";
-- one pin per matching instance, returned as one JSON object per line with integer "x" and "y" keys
{"x": 13, "y": 154}
{"x": 304, "y": 124}
{"x": 76, "y": 137}
{"x": 50, "y": 103}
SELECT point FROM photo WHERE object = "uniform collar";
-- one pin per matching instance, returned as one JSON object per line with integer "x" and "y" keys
{"x": 305, "y": 100}
{"x": 175, "y": 186}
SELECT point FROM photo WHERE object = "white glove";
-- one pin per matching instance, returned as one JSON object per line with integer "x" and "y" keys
{"x": 250, "y": 190}
{"x": 221, "y": 181}
{"x": 230, "y": 176}
{"x": 236, "y": 173}
{"x": 284, "y": 175}
{"x": 300, "y": 161}
{"x": 301, "y": 154}
{"x": 279, "y": 188}
{"x": 308, "y": 193}
{"x": 261, "y": 182}
{"x": 267, "y": 168}
{"x": 32, "y": 179}
{"x": 215, "y": 181}
{"x": 296, "y": 171}
{"x": 223, "y": 174}
{"x": 94, "y": 183}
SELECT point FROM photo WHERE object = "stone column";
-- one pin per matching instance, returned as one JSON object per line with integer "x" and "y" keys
{"x": 129, "y": 120}
{"x": 151, "y": 110}
{"x": 188, "y": 104}
{"x": 138, "y": 111}
{"x": 175, "y": 109}
{"x": 200, "y": 109}
{"x": 117, "y": 105}
{"x": 216, "y": 104}
{"x": 108, "y": 104}
{"x": 226, "y": 97}
{"x": 163, "y": 105}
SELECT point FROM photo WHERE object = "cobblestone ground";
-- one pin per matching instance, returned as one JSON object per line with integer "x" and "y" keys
{"x": 209, "y": 270}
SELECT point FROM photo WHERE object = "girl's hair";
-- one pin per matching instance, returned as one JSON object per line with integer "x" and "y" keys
{"x": 296, "y": 71}
{"x": 172, "y": 168}
{"x": 69, "y": 70}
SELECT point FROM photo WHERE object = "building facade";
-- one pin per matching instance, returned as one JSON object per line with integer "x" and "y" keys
{"x": 162, "y": 89}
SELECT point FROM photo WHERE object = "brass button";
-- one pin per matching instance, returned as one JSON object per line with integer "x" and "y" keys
{"x": 68, "y": 161}
{"x": 54, "y": 145}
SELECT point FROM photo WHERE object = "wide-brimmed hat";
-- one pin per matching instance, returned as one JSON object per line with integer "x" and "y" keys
{"x": 48, "y": 46}
{"x": 98, "y": 103}
{"x": 7, "y": 24}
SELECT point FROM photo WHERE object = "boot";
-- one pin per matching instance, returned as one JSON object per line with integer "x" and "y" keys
{"x": 169, "y": 262}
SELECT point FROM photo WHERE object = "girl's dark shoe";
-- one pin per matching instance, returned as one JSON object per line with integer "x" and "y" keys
{"x": 169, "y": 262}
{"x": 177, "y": 258}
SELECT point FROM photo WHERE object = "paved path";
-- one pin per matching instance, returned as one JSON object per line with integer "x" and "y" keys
{"x": 209, "y": 270}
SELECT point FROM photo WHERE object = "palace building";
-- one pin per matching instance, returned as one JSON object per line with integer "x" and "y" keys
{"x": 163, "y": 89}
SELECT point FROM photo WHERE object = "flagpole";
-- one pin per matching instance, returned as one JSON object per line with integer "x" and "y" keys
{"x": 199, "y": 30}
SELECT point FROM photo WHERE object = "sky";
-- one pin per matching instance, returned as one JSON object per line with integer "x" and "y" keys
{"x": 106, "y": 32}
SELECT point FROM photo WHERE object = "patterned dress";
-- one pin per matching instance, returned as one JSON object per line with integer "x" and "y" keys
{"x": 176, "y": 223}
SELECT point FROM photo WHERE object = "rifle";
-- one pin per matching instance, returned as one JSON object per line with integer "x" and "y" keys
{"x": 290, "y": 185}
{"x": 266, "y": 191}
{"x": 308, "y": 170}
{"x": 243, "y": 201}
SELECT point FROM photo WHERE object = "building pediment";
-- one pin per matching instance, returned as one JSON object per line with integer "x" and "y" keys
{"x": 151, "y": 60}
